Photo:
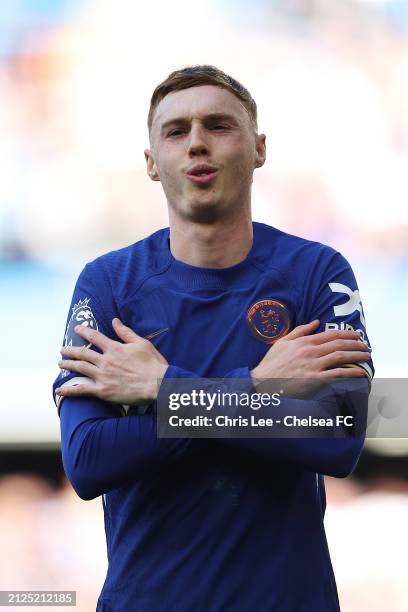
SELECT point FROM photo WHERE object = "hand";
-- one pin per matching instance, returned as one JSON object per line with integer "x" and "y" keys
{"x": 319, "y": 358}
{"x": 125, "y": 373}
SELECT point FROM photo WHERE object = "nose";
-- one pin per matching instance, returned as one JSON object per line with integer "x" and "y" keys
{"x": 198, "y": 144}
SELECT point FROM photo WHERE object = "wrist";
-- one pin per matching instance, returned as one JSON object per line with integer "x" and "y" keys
{"x": 160, "y": 372}
{"x": 256, "y": 375}
{"x": 264, "y": 382}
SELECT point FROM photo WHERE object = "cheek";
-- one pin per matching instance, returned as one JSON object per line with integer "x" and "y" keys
{"x": 237, "y": 153}
{"x": 169, "y": 174}
{"x": 239, "y": 166}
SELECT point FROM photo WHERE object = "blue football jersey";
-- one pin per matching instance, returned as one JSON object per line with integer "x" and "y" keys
{"x": 201, "y": 524}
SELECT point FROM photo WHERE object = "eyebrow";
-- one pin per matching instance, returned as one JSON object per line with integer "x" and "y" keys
{"x": 210, "y": 117}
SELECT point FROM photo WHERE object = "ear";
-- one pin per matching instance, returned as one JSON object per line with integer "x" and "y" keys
{"x": 151, "y": 166}
{"x": 260, "y": 150}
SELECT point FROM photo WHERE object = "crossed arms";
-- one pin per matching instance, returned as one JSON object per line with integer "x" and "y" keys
{"x": 102, "y": 451}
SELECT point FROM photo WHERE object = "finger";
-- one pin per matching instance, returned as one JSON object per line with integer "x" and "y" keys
{"x": 125, "y": 333}
{"x": 81, "y": 353}
{"x": 77, "y": 390}
{"x": 341, "y": 357}
{"x": 83, "y": 367}
{"x": 342, "y": 373}
{"x": 302, "y": 330}
{"x": 339, "y": 345}
{"x": 334, "y": 334}
{"x": 93, "y": 336}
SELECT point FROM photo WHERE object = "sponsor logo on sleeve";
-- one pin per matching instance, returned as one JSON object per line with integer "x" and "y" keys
{"x": 343, "y": 326}
{"x": 346, "y": 326}
{"x": 353, "y": 303}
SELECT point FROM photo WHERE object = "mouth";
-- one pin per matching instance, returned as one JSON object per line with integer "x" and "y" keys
{"x": 202, "y": 174}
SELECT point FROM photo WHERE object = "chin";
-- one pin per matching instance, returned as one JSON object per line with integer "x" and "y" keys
{"x": 208, "y": 212}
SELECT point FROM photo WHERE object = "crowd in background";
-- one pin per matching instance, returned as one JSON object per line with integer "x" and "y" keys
{"x": 51, "y": 539}
{"x": 330, "y": 80}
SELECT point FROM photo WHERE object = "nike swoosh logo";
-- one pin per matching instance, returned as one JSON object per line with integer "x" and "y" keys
{"x": 156, "y": 333}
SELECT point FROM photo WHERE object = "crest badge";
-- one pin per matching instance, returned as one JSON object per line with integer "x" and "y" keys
{"x": 268, "y": 320}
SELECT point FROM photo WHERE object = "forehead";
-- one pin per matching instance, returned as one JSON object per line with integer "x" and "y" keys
{"x": 196, "y": 102}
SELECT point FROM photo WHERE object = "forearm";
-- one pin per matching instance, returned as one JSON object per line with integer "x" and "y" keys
{"x": 101, "y": 451}
{"x": 326, "y": 454}
{"x": 330, "y": 456}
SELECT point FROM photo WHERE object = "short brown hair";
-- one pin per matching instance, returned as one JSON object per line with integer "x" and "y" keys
{"x": 193, "y": 76}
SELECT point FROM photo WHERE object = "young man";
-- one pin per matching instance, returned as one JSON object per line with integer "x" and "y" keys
{"x": 198, "y": 524}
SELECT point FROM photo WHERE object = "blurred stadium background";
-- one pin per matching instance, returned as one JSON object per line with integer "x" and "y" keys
{"x": 331, "y": 82}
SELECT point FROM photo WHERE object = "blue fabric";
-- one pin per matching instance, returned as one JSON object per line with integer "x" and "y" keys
{"x": 210, "y": 525}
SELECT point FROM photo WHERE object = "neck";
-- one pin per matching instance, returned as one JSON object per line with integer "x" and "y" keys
{"x": 218, "y": 245}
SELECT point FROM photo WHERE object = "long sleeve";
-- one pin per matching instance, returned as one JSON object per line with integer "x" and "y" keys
{"x": 333, "y": 456}
{"x": 101, "y": 451}
{"x": 101, "y": 448}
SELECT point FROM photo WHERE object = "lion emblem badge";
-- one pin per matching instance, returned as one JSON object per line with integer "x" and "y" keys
{"x": 268, "y": 320}
{"x": 81, "y": 315}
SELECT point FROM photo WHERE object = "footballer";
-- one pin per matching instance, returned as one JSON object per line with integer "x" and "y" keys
{"x": 204, "y": 525}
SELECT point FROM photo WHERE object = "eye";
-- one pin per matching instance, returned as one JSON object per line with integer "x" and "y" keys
{"x": 218, "y": 126}
{"x": 177, "y": 132}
